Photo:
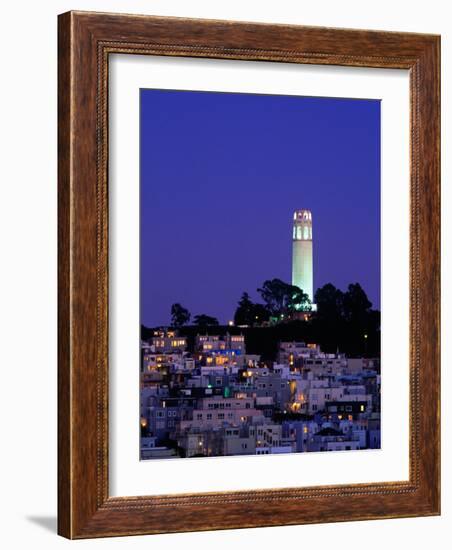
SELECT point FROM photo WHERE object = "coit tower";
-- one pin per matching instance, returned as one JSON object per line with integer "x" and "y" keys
{"x": 302, "y": 252}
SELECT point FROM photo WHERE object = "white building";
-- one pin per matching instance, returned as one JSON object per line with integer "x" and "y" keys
{"x": 302, "y": 265}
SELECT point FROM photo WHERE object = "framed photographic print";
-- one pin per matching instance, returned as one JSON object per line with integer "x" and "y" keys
{"x": 248, "y": 275}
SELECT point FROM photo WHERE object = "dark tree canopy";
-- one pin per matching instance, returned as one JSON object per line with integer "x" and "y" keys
{"x": 250, "y": 313}
{"x": 356, "y": 304}
{"x": 260, "y": 314}
{"x": 179, "y": 315}
{"x": 330, "y": 303}
{"x": 281, "y": 298}
{"x": 274, "y": 294}
{"x": 203, "y": 320}
{"x": 343, "y": 321}
{"x": 297, "y": 299}
{"x": 244, "y": 312}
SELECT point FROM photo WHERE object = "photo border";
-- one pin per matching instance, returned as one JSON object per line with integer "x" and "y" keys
{"x": 128, "y": 74}
{"x": 85, "y": 42}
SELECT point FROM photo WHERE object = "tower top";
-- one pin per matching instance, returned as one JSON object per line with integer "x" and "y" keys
{"x": 302, "y": 225}
{"x": 302, "y": 215}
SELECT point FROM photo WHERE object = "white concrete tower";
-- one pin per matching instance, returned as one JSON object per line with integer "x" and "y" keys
{"x": 302, "y": 271}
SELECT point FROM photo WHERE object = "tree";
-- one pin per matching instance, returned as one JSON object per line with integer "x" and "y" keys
{"x": 205, "y": 320}
{"x": 244, "y": 312}
{"x": 356, "y": 304}
{"x": 330, "y": 303}
{"x": 274, "y": 292}
{"x": 297, "y": 299}
{"x": 281, "y": 298}
{"x": 179, "y": 315}
{"x": 260, "y": 314}
{"x": 250, "y": 313}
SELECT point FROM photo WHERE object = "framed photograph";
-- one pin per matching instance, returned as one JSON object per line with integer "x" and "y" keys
{"x": 248, "y": 275}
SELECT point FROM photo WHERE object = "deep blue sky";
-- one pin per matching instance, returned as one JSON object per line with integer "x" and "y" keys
{"x": 221, "y": 175}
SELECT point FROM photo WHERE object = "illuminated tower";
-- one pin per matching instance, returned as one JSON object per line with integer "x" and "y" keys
{"x": 302, "y": 252}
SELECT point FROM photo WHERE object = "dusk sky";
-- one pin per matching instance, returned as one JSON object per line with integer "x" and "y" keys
{"x": 221, "y": 175}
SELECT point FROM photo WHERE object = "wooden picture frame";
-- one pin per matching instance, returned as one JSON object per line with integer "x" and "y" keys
{"x": 85, "y": 42}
